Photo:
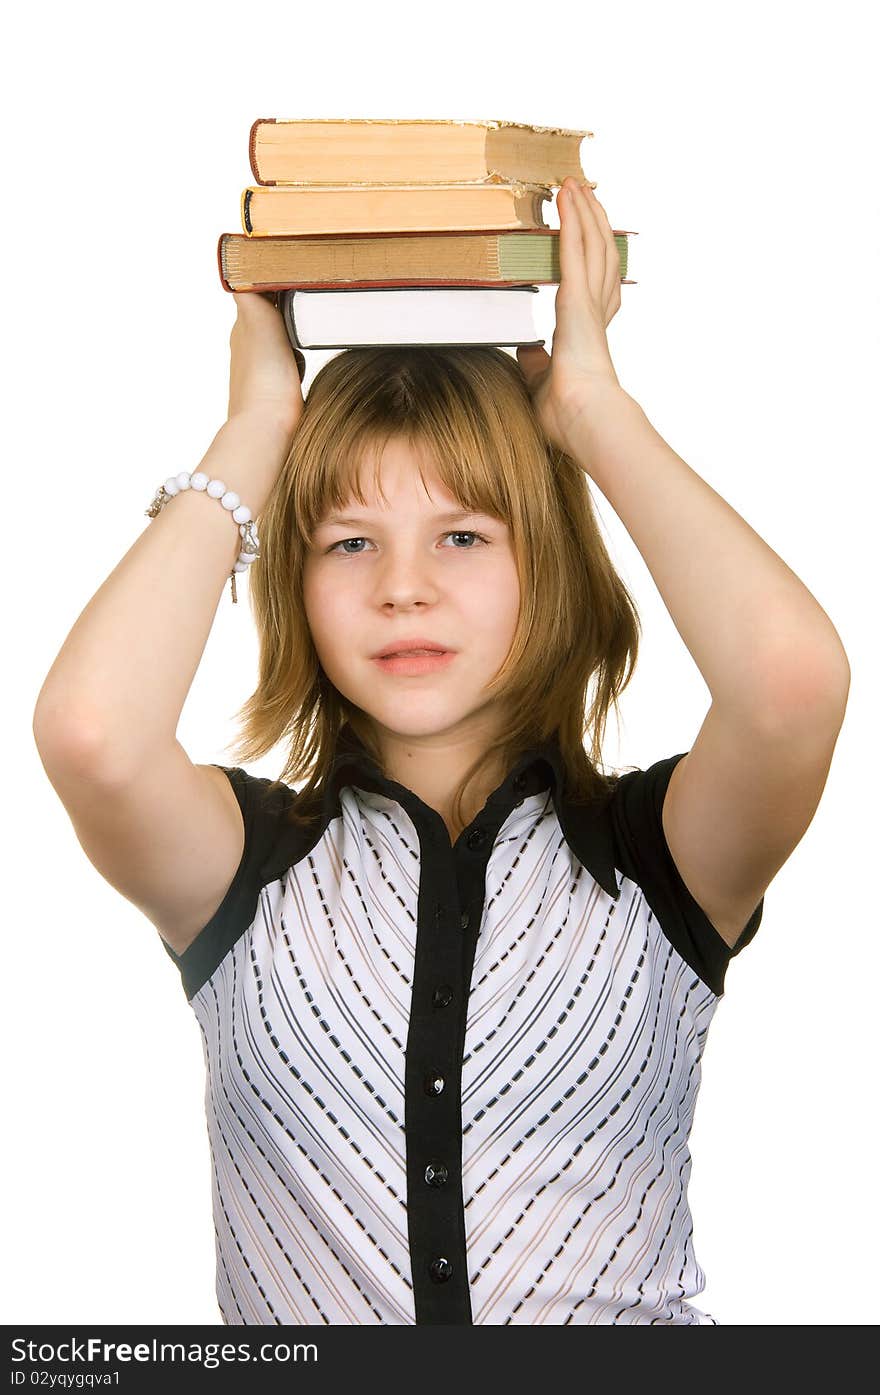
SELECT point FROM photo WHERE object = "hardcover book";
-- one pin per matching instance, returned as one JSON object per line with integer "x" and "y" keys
{"x": 452, "y": 315}
{"x": 363, "y": 151}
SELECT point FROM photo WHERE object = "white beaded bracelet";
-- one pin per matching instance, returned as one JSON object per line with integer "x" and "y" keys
{"x": 250, "y": 547}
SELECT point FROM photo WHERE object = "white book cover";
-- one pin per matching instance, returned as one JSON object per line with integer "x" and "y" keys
{"x": 435, "y": 315}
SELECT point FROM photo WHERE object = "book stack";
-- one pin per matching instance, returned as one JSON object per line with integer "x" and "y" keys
{"x": 421, "y": 232}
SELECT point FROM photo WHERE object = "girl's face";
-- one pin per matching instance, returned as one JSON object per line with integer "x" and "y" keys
{"x": 404, "y": 571}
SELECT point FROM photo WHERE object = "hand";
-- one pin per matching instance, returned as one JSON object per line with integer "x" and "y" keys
{"x": 563, "y": 386}
{"x": 264, "y": 376}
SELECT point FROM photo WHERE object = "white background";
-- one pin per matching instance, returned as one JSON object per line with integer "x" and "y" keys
{"x": 740, "y": 142}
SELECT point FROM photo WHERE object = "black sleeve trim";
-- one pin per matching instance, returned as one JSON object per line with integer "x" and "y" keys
{"x": 643, "y": 855}
{"x": 260, "y": 813}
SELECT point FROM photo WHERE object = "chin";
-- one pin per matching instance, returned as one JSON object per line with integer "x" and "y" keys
{"x": 417, "y": 715}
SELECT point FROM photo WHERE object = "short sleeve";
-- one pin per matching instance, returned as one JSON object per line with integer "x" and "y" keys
{"x": 262, "y": 810}
{"x": 642, "y": 854}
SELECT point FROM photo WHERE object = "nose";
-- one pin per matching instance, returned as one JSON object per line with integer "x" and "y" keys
{"x": 405, "y": 577}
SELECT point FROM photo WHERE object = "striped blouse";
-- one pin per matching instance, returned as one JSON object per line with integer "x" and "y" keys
{"x": 455, "y": 1084}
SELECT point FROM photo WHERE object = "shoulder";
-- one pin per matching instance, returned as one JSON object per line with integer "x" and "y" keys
{"x": 634, "y": 811}
{"x": 279, "y": 831}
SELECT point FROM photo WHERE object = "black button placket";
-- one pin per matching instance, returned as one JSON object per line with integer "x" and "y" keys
{"x": 452, "y": 891}
{"x": 450, "y": 879}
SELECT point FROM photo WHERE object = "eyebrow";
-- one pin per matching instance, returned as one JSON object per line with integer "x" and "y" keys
{"x": 438, "y": 518}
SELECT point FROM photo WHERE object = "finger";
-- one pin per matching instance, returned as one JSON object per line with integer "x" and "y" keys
{"x": 572, "y": 267}
{"x": 595, "y": 247}
{"x": 534, "y": 361}
{"x": 248, "y": 297}
{"x": 243, "y": 301}
{"x": 612, "y": 279}
{"x": 605, "y": 264}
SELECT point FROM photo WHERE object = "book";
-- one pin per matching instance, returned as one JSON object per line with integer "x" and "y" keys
{"x": 374, "y": 232}
{"x": 339, "y": 319}
{"x": 392, "y": 208}
{"x": 491, "y": 257}
{"x": 363, "y": 151}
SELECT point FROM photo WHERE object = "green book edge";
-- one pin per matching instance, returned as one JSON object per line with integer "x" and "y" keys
{"x": 525, "y": 258}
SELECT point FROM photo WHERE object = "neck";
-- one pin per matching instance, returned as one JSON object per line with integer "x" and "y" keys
{"x": 434, "y": 766}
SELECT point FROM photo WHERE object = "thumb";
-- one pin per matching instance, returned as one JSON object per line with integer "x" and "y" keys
{"x": 534, "y": 362}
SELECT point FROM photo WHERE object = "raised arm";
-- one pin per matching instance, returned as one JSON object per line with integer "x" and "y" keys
{"x": 742, "y": 798}
{"x": 166, "y": 833}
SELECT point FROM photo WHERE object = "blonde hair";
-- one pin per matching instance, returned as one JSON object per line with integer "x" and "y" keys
{"x": 470, "y": 412}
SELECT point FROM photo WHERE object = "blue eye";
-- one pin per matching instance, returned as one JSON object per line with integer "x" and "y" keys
{"x": 458, "y": 534}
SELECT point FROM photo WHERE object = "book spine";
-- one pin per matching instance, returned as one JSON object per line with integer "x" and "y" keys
{"x": 252, "y": 146}
{"x": 223, "y": 281}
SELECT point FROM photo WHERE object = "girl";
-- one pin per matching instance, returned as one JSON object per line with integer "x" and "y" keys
{"x": 455, "y": 990}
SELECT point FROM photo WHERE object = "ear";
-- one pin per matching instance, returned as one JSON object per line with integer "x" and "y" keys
{"x": 534, "y": 361}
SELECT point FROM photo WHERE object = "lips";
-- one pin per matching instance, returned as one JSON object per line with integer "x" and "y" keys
{"x": 414, "y": 665}
{"x": 409, "y": 653}
{"x": 410, "y": 647}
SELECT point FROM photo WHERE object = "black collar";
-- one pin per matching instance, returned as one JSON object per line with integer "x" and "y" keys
{"x": 586, "y": 827}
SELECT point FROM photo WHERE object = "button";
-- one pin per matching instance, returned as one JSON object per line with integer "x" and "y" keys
{"x": 438, "y": 912}
{"x": 436, "y": 1174}
{"x": 520, "y": 782}
{"x": 434, "y": 1084}
{"x": 442, "y": 996}
{"x": 465, "y": 920}
{"x": 476, "y": 838}
{"x": 440, "y": 1270}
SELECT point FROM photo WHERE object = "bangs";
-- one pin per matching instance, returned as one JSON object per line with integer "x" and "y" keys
{"x": 446, "y": 427}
